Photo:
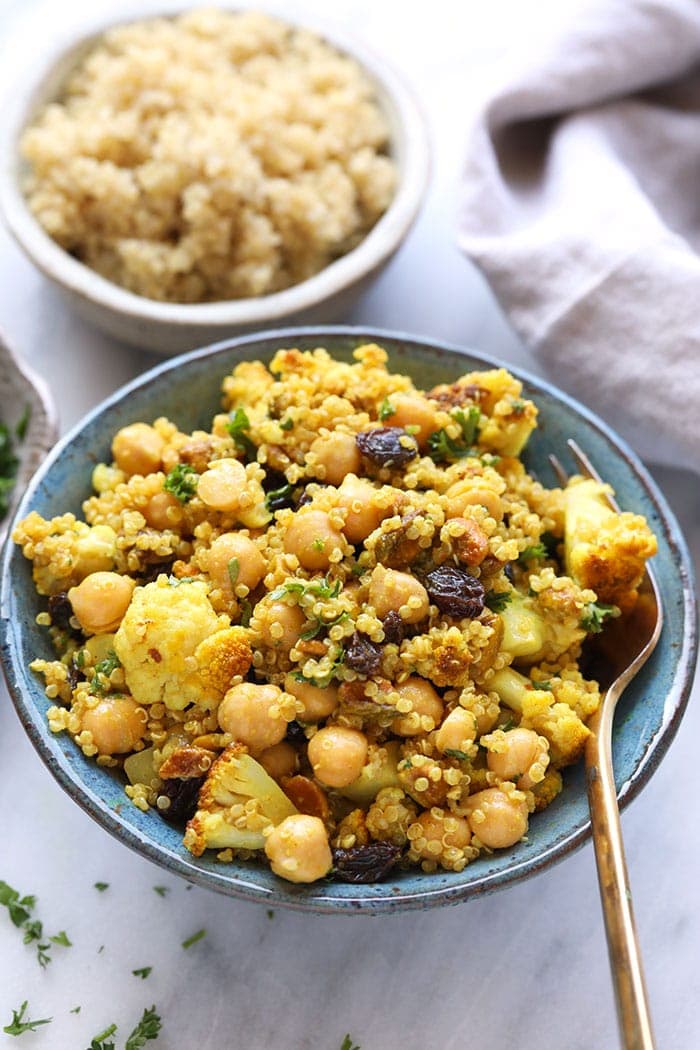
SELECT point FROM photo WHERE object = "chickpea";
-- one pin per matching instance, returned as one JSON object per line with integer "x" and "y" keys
{"x": 319, "y": 702}
{"x": 279, "y": 761}
{"x": 138, "y": 449}
{"x": 101, "y": 600}
{"x": 523, "y": 749}
{"x": 251, "y": 714}
{"x": 496, "y": 818}
{"x": 312, "y": 538}
{"x": 357, "y": 496}
{"x": 298, "y": 849}
{"x": 338, "y": 454}
{"x": 457, "y": 732}
{"x": 163, "y": 511}
{"x": 217, "y": 562}
{"x": 117, "y": 723}
{"x": 464, "y": 494}
{"x": 390, "y": 590}
{"x": 415, "y": 411}
{"x": 427, "y": 707}
{"x": 441, "y": 830}
{"x": 282, "y": 625}
{"x": 337, "y": 755}
{"x": 220, "y": 486}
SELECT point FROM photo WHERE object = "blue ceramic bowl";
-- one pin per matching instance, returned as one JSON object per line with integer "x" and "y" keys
{"x": 187, "y": 390}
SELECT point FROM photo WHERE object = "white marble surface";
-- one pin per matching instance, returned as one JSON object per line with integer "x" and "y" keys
{"x": 523, "y": 969}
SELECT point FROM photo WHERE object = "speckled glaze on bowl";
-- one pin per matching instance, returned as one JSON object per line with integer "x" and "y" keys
{"x": 187, "y": 390}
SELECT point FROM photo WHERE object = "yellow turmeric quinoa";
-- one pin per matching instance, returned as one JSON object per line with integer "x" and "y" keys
{"x": 339, "y": 631}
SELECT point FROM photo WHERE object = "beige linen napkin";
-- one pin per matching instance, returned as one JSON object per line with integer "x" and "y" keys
{"x": 581, "y": 204}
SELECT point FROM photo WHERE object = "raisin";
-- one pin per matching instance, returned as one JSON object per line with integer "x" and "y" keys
{"x": 151, "y": 573}
{"x": 60, "y": 611}
{"x": 363, "y": 655}
{"x": 508, "y": 571}
{"x": 393, "y": 628}
{"x": 387, "y": 446}
{"x": 303, "y": 500}
{"x": 455, "y": 591}
{"x": 369, "y": 863}
{"x": 181, "y": 796}
{"x": 74, "y": 675}
{"x": 295, "y": 733}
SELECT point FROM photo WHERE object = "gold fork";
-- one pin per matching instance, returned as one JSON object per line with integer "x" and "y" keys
{"x": 626, "y": 645}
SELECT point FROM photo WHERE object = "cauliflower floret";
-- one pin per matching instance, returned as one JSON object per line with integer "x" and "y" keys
{"x": 174, "y": 648}
{"x": 547, "y": 622}
{"x": 237, "y": 802}
{"x": 604, "y": 550}
{"x": 557, "y": 722}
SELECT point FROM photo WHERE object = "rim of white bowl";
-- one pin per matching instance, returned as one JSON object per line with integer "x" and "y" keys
{"x": 24, "y": 87}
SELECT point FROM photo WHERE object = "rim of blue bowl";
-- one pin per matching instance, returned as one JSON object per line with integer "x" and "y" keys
{"x": 36, "y": 727}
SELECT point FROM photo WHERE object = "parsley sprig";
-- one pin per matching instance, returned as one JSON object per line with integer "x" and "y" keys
{"x": 20, "y": 911}
{"x": 181, "y": 482}
{"x": 532, "y": 553}
{"x": 147, "y": 1028}
{"x": 237, "y": 426}
{"x": 595, "y": 614}
{"x": 443, "y": 448}
{"x": 18, "y": 1025}
{"x": 496, "y": 601}
{"x": 386, "y": 409}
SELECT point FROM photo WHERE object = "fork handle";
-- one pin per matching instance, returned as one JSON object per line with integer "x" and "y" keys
{"x": 623, "y": 946}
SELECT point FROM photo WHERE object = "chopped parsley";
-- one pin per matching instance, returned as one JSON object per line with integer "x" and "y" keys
{"x": 270, "y": 913}
{"x": 276, "y": 499}
{"x": 453, "y": 752}
{"x": 8, "y": 468}
{"x": 101, "y": 886}
{"x": 194, "y": 938}
{"x": 246, "y": 613}
{"x": 148, "y": 1028}
{"x": 319, "y": 588}
{"x": 143, "y": 972}
{"x": 536, "y": 551}
{"x": 18, "y": 1025}
{"x": 594, "y": 614}
{"x": 161, "y": 890}
{"x": 103, "y": 670}
{"x": 386, "y": 409}
{"x": 518, "y": 406}
{"x": 234, "y": 567}
{"x": 442, "y": 447}
{"x": 62, "y": 939}
{"x": 20, "y": 912}
{"x": 496, "y": 601}
{"x": 181, "y": 482}
{"x": 318, "y": 544}
{"x": 99, "y": 1042}
{"x": 348, "y": 1044}
{"x": 237, "y": 426}
{"x": 287, "y": 424}
{"x": 76, "y": 1010}
{"x": 545, "y": 685}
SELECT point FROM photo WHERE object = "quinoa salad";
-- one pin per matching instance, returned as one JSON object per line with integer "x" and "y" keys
{"x": 339, "y": 632}
{"x": 210, "y": 156}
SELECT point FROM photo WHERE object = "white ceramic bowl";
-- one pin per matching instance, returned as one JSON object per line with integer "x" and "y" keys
{"x": 170, "y": 328}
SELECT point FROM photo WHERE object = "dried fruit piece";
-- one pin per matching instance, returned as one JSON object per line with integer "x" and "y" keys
{"x": 177, "y": 799}
{"x": 369, "y": 863}
{"x": 393, "y": 628}
{"x": 363, "y": 655}
{"x": 455, "y": 591}
{"x": 387, "y": 446}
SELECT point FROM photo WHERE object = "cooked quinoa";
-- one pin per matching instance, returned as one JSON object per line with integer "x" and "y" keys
{"x": 210, "y": 156}
{"x": 341, "y": 629}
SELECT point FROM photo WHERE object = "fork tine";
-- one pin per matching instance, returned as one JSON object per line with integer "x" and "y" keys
{"x": 561, "y": 475}
{"x": 586, "y": 468}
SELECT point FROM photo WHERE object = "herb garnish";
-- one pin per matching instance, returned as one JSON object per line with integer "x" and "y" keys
{"x": 194, "y": 938}
{"x": 535, "y": 551}
{"x": 237, "y": 426}
{"x": 103, "y": 669}
{"x": 246, "y": 613}
{"x": 442, "y": 447}
{"x": 143, "y": 972}
{"x": 161, "y": 890}
{"x": 234, "y": 567}
{"x": 453, "y": 752}
{"x": 287, "y": 424}
{"x": 348, "y": 1044}
{"x": 594, "y": 614}
{"x": 275, "y": 499}
{"x": 320, "y": 589}
{"x": 18, "y": 1025}
{"x": 20, "y": 909}
{"x": 496, "y": 601}
{"x": 62, "y": 939}
{"x": 386, "y": 409}
{"x": 101, "y": 886}
{"x": 99, "y": 1042}
{"x": 181, "y": 482}
{"x": 148, "y": 1028}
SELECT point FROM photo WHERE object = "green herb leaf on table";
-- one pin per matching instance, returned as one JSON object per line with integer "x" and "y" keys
{"x": 181, "y": 482}
{"x": 62, "y": 939}
{"x": 18, "y": 1025}
{"x": 161, "y": 890}
{"x": 348, "y": 1044}
{"x": 101, "y": 886}
{"x": 194, "y": 938}
{"x": 99, "y": 1042}
{"x": 148, "y": 1028}
{"x": 143, "y": 972}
